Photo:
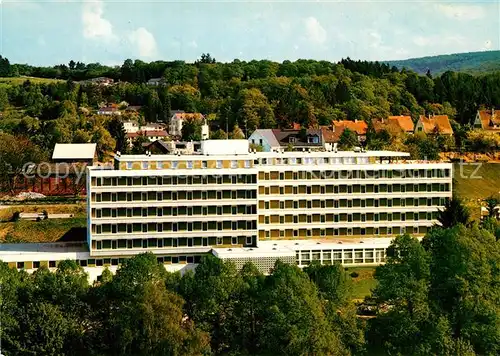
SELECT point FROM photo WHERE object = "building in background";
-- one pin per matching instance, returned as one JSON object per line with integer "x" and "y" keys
{"x": 244, "y": 206}
{"x": 488, "y": 120}
{"x": 434, "y": 125}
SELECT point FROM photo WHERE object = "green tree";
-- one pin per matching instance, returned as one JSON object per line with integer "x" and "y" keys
{"x": 237, "y": 133}
{"x": 403, "y": 284}
{"x": 191, "y": 128}
{"x": 81, "y": 136}
{"x": 4, "y": 99}
{"x": 15, "y": 153}
{"x": 454, "y": 213}
{"x": 254, "y": 110}
{"x": 211, "y": 296}
{"x": 492, "y": 202}
{"x": 117, "y": 132}
{"x": 464, "y": 284}
{"x": 105, "y": 143}
{"x": 218, "y": 135}
{"x": 348, "y": 140}
{"x": 294, "y": 320}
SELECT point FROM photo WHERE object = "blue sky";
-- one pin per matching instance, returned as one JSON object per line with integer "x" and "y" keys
{"x": 45, "y": 32}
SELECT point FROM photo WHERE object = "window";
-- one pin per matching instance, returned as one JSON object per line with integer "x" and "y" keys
{"x": 234, "y": 240}
{"x": 219, "y": 241}
{"x": 234, "y": 164}
{"x": 247, "y": 164}
{"x": 219, "y": 164}
{"x": 175, "y": 164}
{"x": 292, "y": 139}
{"x": 159, "y": 165}
{"x": 52, "y": 264}
{"x": 145, "y": 165}
{"x": 20, "y": 264}
{"x": 204, "y": 164}
{"x": 249, "y": 240}
{"x": 190, "y": 164}
{"x": 36, "y": 264}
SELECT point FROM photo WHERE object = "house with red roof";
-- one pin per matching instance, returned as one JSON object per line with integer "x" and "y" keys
{"x": 435, "y": 124}
{"x": 359, "y": 127}
{"x": 487, "y": 120}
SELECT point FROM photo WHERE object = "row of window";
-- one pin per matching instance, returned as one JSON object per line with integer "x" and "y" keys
{"x": 175, "y": 211}
{"x": 343, "y": 231}
{"x": 352, "y": 203}
{"x": 355, "y": 188}
{"x": 371, "y": 255}
{"x": 174, "y": 196}
{"x": 357, "y": 174}
{"x": 102, "y": 262}
{"x": 174, "y": 180}
{"x": 355, "y": 217}
{"x": 173, "y": 242}
{"x": 174, "y": 227}
{"x": 183, "y": 164}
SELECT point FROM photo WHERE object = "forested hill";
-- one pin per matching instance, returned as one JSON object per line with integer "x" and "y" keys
{"x": 472, "y": 62}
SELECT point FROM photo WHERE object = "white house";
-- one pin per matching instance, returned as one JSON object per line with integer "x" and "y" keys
{"x": 178, "y": 118}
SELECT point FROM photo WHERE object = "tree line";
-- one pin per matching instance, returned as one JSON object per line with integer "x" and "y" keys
{"x": 247, "y": 95}
{"x": 439, "y": 296}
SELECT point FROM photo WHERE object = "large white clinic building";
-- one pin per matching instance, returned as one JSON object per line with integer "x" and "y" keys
{"x": 243, "y": 206}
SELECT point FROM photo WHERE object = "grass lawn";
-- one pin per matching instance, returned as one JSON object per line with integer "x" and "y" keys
{"x": 472, "y": 184}
{"x": 43, "y": 231}
{"x": 7, "y": 211}
{"x": 363, "y": 283}
{"x": 21, "y": 80}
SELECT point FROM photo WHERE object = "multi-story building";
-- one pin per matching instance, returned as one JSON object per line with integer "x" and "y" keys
{"x": 226, "y": 196}
{"x": 244, "y": 206}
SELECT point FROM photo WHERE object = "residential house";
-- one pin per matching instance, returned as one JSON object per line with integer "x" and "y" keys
{"x": 487, "y": 120}
{"x": 155, "y": 81}
{"x": 359, "y": 127}
{"x": 172, "y": 147}
{"x": 395, "y": 125}
{"x": 330, "y": 136}
{"x": 130, "y": 126}
{"x": 435, "y": 124}
{"x": 151, "y": 135}
{"x": 266, "y": 139}
{"x": 178, "y": 118}
{"x": 101, "y": 81}
{"x": 274, "y": 139}
{"x": 111, "y": 109}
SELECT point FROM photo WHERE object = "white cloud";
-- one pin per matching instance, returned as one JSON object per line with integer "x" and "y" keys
{"x": 314, "y": 31}
{"x": 461, "y": 12}
{"x": 145, "y": 42}
{"x": 95, "y": 26}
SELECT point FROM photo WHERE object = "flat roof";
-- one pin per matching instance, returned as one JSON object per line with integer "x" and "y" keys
{"x": 285, "y": 248}
{"x": 255, "y": 155}
{"x": 74, "y": 151}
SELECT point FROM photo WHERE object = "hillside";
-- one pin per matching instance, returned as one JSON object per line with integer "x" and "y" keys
{"x": 472, "y": 62}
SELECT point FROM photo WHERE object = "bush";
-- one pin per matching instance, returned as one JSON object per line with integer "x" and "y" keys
{"x": 354, "y": 274}
{"x": 16, "y": 216}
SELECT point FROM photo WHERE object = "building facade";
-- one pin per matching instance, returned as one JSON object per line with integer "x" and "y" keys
{"x": 168, "y": 203}
{"x": 246, "y": 206}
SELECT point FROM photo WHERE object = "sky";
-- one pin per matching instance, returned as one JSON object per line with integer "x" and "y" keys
{"x": 49, "y": 32}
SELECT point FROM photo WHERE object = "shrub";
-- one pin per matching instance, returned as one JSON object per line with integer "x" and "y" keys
{"x": 16, "y": 216}
{"x": 354, "y": 274}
